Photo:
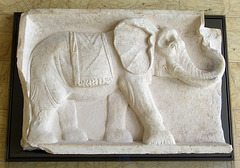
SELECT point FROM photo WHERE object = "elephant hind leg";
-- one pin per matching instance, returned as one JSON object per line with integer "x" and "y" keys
{"x": 116, "y": 127}
{"x": 69, "y": 123}
{"x": 44, "y": 127}
{"x": 41, "y": 129}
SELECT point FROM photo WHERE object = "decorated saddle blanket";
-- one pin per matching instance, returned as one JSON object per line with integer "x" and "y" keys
{"x": 91, "y": 59}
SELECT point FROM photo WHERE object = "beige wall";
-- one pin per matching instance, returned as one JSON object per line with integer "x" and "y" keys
{"x": 230, "y": 8}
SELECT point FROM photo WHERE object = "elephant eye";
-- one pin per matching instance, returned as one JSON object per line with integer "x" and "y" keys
{"x": 173, "y": 45}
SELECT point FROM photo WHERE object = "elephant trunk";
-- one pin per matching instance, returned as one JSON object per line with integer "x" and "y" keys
{"x": 183, "y": 68}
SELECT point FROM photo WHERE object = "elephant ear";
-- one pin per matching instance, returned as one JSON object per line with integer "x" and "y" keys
{"x": 134, "y": 41}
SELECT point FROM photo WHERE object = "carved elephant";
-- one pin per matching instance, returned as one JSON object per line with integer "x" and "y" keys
{"x": 118, "y": 65}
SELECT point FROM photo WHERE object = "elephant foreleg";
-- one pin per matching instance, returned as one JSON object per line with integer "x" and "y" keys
{"x": 115, "y": 127}
{"x": 136, "y": 90}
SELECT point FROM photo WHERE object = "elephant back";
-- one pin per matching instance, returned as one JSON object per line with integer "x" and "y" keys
{"x": 77, "y": 59}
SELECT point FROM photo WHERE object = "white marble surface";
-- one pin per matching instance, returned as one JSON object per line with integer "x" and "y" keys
{"x": 189, "y": 114}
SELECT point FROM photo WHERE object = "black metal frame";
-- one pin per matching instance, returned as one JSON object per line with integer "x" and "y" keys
{"x": 14, "y": 151}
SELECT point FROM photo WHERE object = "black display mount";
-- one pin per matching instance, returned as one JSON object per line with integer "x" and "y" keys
{"x": 14, "y": 151}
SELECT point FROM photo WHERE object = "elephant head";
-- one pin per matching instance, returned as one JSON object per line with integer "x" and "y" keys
{"x": 178, "y": 63}
{"x": 142, "y": 47}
